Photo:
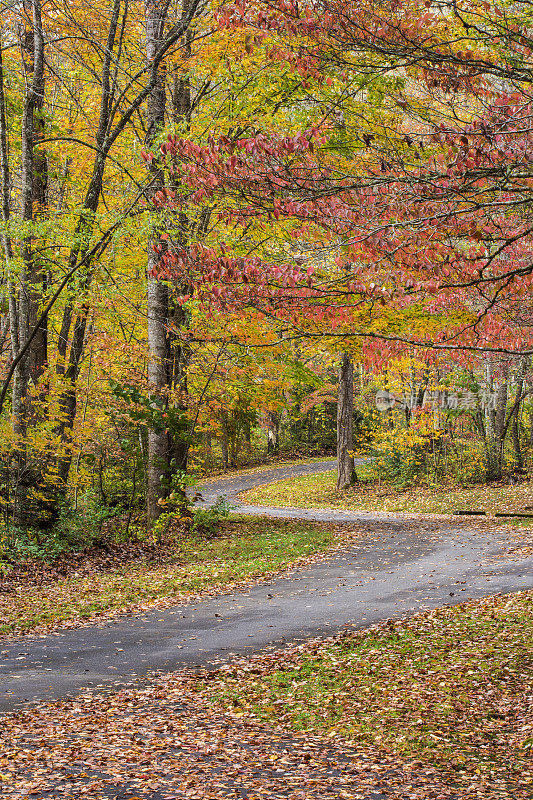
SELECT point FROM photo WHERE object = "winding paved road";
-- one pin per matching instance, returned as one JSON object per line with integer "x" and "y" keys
{"x": 400, "y": 567}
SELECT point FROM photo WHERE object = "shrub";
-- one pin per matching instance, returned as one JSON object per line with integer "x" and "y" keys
{"x": 207, "y": 521}
{"x": 400, "y": 455}
{"x": 79, "y": 528}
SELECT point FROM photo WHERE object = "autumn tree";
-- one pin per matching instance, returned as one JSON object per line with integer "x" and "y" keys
{"x": 50, "y": 266}
{"x": 412, "y": 169}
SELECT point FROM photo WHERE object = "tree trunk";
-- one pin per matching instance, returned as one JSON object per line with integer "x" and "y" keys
{"x": 12, "y": 310}
{"x": 514, "y": 414}
{"x": 248, "y": 436}
{"x": 158, "y": 440}
{"x": 500, "y": 414}
{"x": 345, "y": 463}
{"x": 168, "y": 356}
{"x": 491, "y": 430}
{"x": 530, "y": 457}
{"x": 224, "y": 438}
{"x": 157, "y": 295}
{"x": 273, "y": 433}
{"x": 34, "y": 178}
{"x": 515, "y": 428}
{"x": 180, "y": 358}
{"x": 35, "y": 187}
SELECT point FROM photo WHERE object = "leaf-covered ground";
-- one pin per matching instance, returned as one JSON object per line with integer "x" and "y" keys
{"x": 435, "y": 708}
{"x": 165, "y": 743}
{"x": 40, "y": 596}
{"x": 453, "y": 688}
{"x": 318, "y": 490}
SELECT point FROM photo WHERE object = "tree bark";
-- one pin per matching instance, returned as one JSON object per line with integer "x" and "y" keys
{"x": 157, "y": 292}
{"x": 513, "y": 417}
{"x": 35, "y": 186}
{"x": 7, "y": 245}
{"x": 32, "y": 279}
{"x": 497, "y": 431}
{"x": 345, "y": 463}
{"x": 168, "y": 356}
{"x": 492, "y": 447}
{"x": 515, "y": 427}
{"x": 273, "y": 433}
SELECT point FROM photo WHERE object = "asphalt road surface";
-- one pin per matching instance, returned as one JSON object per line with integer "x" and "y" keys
{"x": 398, "y": 568}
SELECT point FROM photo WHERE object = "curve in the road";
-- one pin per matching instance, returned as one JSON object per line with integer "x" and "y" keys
{"x": 397, "y": 568}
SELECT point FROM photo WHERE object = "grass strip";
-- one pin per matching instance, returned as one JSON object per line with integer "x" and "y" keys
{"x": 247, "y": 548}
{"x": 318, "y": 490}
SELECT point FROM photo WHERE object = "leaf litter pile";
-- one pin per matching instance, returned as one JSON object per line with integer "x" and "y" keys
{"x": 438, "y": 707}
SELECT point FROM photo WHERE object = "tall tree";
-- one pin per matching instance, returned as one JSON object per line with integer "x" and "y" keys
{"x": 31, "y": 280}
{"x": 158, "y": 292}
{"x": 106, "y": 66}
{"x": 345, "y": 462}
{"x": 167, "y": 366}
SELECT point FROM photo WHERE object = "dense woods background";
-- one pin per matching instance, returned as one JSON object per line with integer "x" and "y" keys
{"x": 225, "y": 227}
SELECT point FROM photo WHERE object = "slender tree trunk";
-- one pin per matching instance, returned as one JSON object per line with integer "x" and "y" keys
{"x": 514, "y": 415}
{"x": 6, "y": 214}
{"x": 515, "y": 429}
{"x": 35, "y": 188}
{"x": 345, "y": 462}
{"x": 168, "y": 355}
{"x": 180, "y": 356}
{"x": 233, "y": 441}
{"x": 158, "y": 440}
{"x": 224, "y": 439}
{"x": 492, "y": 448}
{"x": 18, "y": 393}
{"x": 530, "y": 455}
{"x": 31, "y": 280}
{"x": 248, "y": 436}
{"x": 273, "y": 432}
{"x": 157, "y": 294}
{"x": 500, "y": 426}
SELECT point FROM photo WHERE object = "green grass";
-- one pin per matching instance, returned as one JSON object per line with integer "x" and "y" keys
{"x": 247, "y": 548}
{"x": 450, "y": 687}
{"x": 315, "y": 491}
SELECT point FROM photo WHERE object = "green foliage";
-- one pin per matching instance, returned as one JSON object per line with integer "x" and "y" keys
{"x": 153, "y": 411}
{"x": 204, "y": 522}
{"x": 167, "y": 524}
{"x": 17, "y": 544}
{"x": 208, "y": 521}
{"x": 178, "y": 486}
{"x": 80, "y": 527}
{"x": 76, "y": 529}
